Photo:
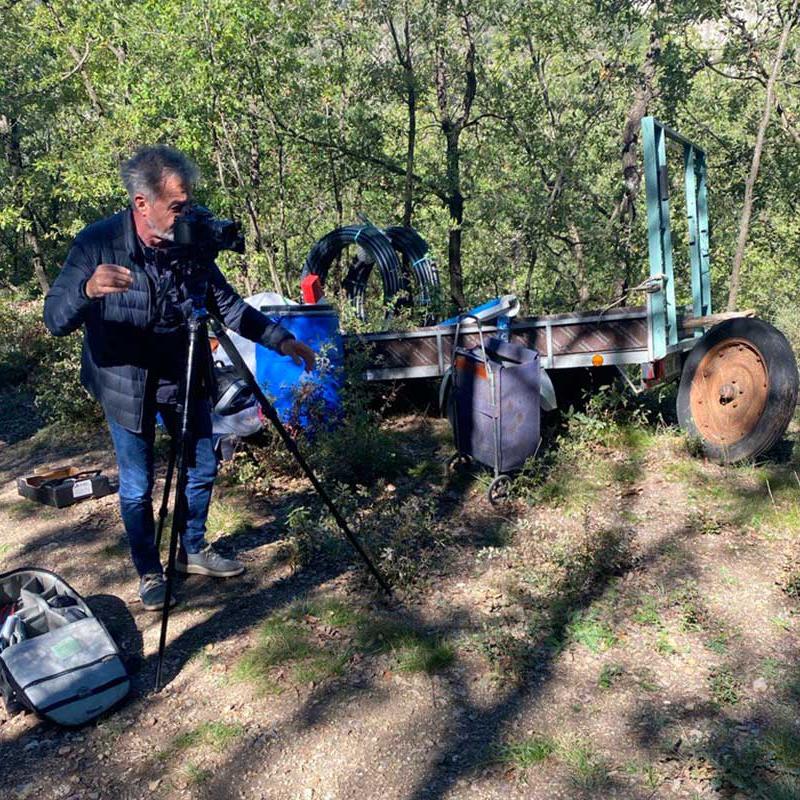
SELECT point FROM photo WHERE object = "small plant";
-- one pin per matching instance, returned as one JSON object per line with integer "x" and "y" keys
{"x": 281, "y": 640}
{"x": 724, "y": 687}
{"x": 609, "y": 675}
{"x": 647, "y": 612}
{"x": 196, "y": 775}
{"x": 589, "y": 771}
{"x": 790, "y": 582}
{"x": 420, "y": 655}
{"x": 693, "y": 613}
{"x": 227, "y": 518}
{"x": 646, "y": 680}
{"x": 527, "y": 752}
{"x": 321, "y": 667}
{"x": 783, "y": 745}
{"x": 664, "y": 645}
{"x": 218, "y": 735}
{"x": 718, "y": 643}
{"x": 585, "y": 628}
{"x": 414, "y": 651}
{"x": 694, "y": 446}
{"x": 703, "y": 522}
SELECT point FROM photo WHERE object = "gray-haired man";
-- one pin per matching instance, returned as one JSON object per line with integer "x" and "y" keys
{"x": 134, "y": 351}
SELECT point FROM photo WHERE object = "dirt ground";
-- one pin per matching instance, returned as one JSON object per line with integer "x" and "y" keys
{"x": 632, "y": 636}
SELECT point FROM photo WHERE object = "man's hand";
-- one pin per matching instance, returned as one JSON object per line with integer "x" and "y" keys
{"x": 108, "y": 279}
{"x": 299, "y": 353}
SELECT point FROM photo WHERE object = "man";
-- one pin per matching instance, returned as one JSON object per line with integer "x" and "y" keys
{"x": 118, "y": 283}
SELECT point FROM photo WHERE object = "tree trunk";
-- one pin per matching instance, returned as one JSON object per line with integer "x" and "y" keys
{"x": 580, "y": 264}
{"x": 282, "y": 209}
{"x": 38, "y": 258}
{"x": 747, "y": 208}
{"x": 645, "y": 92}
{"x": 455, "y": 205}
{"x": 411, "y": 103}
{"x": 403, "y": 51}
{"x": 452, "y": 124}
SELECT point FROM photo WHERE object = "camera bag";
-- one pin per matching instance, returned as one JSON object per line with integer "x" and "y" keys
{"x": 57, "y": 658}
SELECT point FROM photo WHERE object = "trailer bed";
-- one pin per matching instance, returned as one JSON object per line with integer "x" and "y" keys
{"x": 564, "y": 341}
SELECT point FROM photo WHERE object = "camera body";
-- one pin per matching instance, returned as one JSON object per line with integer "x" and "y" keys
{"x": 202, "y": 236}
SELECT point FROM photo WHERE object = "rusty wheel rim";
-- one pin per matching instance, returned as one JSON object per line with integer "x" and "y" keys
{"x": 729, "y": 392}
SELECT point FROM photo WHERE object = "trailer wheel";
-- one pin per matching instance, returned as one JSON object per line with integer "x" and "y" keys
{"x": 738, "y": 389}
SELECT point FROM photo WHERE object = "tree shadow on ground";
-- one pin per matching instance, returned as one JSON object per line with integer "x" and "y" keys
{"x": 52, "y": 444}
{"x": 477, "y": 730}
{"x": 20, "y": 418}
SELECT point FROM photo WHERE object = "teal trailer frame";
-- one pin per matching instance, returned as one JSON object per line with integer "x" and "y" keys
{"x": 661, "y": 309}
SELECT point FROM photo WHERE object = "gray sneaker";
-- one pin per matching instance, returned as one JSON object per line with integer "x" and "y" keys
{"x": 153, "y": 590}
{"x": 208, "y": 562}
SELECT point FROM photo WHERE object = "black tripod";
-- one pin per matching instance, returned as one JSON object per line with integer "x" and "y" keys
{"x": 196, "y": 359}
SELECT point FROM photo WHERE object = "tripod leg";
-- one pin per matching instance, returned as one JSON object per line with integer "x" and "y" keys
{"x": 269, "y": 410}
{"x": 197, "y": 328}
{"x": 162, "y": 512}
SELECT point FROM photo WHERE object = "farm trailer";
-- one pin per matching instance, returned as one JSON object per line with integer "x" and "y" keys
{"x": 738, "y": 376}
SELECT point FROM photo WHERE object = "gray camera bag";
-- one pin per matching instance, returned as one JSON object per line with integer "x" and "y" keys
{"x": 67, "y": 667}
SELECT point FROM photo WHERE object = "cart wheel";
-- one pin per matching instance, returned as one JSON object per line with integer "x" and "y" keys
{"x": 458, "y": 463}
{"x": 738, "y": 389}
{"x": 499, "y": 490}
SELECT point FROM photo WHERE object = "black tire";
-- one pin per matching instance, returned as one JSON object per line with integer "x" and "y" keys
{"x": 499, "y": 490}
{"x": 741, "y": 407}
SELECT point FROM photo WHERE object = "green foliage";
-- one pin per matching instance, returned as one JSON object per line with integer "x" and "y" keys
{"x": 725, "y": 689}
{"x": 589, "y": 771}
{"x": 299, "y": 118}
{"x": 296, "y": 645}
{"x": 528, "y": 752}
{"x": 227, "y": 518}
{"x": 59, "y": 395}
{"x": 609, "y": 675}
{"x": 587, "y": 629}
{"x": 23, "y": 342}
{"x": 46, "y": 365}
{"x": 414, "y": 651}
{"x": 218, "y": 735}
{"x": 358, "y": 450}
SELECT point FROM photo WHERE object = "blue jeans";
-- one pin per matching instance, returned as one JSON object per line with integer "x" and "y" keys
{"x": 135, "y": 461}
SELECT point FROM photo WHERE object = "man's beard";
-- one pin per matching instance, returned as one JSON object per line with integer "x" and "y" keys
{"x": 166, "y": 236}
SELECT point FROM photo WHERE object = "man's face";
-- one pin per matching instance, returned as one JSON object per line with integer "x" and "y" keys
{"x": 159, "y": 212}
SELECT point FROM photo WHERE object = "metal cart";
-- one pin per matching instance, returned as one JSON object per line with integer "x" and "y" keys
{"x": 494, "y": 407}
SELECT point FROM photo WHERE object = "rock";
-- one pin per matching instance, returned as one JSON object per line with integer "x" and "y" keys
{"x": 153, "y": 785}
{"x": 759, "y": 685}
{"x": 25, "y": 790}
{"x": 64, "y": 751}
{"x": 33, "y": 744}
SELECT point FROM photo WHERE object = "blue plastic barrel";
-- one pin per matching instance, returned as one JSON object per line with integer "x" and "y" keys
{"x": 308, "y": 400}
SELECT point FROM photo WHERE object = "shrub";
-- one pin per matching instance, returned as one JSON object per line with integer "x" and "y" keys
{"x": 57, "y": 389}
{"x": 23, "y": 341}
{"x": 46, "y": 365}
{"x": 357, "y": 451}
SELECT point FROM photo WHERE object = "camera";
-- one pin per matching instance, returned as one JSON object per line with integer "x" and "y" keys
{"x": 201, "y": 235}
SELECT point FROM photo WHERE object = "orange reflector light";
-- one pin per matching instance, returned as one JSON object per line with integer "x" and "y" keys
{"x": 597, "y": 360}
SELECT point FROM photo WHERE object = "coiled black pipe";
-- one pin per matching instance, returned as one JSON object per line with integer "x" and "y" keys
{"x": 374, "y": 242}
{"x": 423, "y": 271}
{"x": 408, "y": 242}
